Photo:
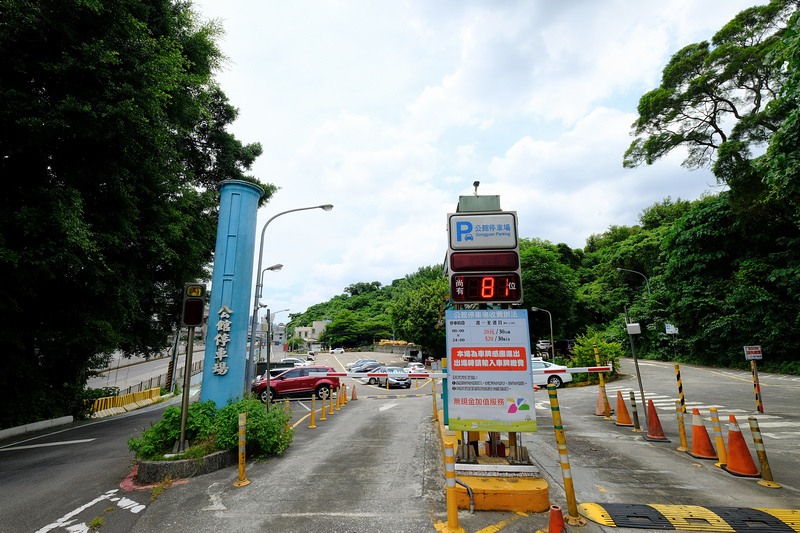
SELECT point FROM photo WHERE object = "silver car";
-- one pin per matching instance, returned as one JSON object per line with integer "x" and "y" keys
{"x": 401, "y": 381}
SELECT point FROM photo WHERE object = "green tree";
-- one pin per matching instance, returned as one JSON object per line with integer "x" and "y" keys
{"x": 113, "y": 145}
{"x": 415, "y": 314}
{"x": 714, "y": 99}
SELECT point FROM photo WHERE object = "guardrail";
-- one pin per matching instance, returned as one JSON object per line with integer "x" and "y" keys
{"x": 113, "y": 405}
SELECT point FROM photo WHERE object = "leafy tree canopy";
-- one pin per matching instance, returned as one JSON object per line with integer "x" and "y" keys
{"x": 112, "y": 148}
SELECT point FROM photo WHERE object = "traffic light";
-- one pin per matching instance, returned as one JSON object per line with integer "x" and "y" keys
{"x": 483, "y": 258}
{"x": 194, "y": 304}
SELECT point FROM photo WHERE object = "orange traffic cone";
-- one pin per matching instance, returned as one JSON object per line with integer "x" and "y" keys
{"x": 654, "y": 431}
{"x": 354, "y": 393}
{"x": 740, "y": 462}
{"x": 623, "y": 418}
{"x": 556, "y": 520}
{"x": 701, "y": 443}
{"x": 600, "y": 410}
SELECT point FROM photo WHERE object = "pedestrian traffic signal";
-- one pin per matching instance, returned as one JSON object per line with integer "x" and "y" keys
{"x": 194, "y": 304}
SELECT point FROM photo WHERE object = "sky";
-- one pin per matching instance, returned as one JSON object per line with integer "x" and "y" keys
{"x": 390, "y": 110}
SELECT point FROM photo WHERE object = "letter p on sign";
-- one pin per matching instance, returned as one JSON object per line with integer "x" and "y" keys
{"x": 462, "y": 228}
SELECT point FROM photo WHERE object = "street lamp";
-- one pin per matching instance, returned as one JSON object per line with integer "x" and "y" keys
{"x": 635, "y": 272}
{"x": 552, "y": 344}
{"x": 248, "y": 374}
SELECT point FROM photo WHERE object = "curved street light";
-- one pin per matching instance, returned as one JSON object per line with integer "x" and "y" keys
{"x": 635, "y": 272}
{"x": 248, "y": 374}
{"x": 552, "y": 344}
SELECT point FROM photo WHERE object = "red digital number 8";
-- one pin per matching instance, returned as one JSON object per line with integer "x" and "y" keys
{"x": 487, "y": 287}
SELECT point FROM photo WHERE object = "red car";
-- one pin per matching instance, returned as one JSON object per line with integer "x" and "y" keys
{"x": 296, "y": 382}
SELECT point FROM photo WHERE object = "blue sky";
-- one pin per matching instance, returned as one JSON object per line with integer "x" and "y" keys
{"x": 390, "y": 110}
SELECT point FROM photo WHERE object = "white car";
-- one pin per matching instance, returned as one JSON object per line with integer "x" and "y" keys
{"x": 297, "y": 361}
{"x": 337, "y": 350}
{"x": 558, "y": 378}
{"x": 415, "y": 368}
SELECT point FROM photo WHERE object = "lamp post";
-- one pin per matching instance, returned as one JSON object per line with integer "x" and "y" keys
{"x": 552, "y": 344}
{"x": 248, "y": 374}
{"x": 635, "y": 272}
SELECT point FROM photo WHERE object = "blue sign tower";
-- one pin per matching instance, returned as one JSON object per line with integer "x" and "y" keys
{"x": 231, "y": 290}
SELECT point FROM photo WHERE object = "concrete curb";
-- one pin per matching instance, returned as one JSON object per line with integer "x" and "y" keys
{"x": 150, "y": 472}
{"x": 35, "y": 426}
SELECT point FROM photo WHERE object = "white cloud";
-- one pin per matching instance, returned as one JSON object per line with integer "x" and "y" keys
{"x": 391, "y": 110}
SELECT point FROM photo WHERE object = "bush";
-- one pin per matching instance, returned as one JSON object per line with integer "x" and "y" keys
{"x": 584, "y": 354}
{"x": 216, "y": 429}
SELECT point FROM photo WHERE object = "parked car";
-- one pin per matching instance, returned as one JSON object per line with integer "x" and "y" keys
{"x": 296, "y": 360}
{"x": 366, "y": 367}
{"x": 542, "y": 379}
{"x": 543, "y": 346}
{"x": 415, "y": 368}
{"x": 358, "y": 362}
{"x": 337, "y": 350}
{"x": 296, "y": 382}
{"x": 565, "y": 346}
{"x": 394, "y": 381}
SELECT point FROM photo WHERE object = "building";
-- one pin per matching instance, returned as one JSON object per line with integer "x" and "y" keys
{"x": 311, "y": 334}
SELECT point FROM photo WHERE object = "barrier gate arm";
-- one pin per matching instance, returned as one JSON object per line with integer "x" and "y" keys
{"x": 608, "y": 367}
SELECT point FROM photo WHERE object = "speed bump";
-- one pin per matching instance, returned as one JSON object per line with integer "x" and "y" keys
{"x": 692, "y": 518}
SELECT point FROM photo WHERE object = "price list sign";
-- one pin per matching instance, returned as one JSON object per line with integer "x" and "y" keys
{"x": 489, "y": 380}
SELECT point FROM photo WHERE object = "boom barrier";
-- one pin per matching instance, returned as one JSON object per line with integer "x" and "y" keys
{"x": 441, "y": 375}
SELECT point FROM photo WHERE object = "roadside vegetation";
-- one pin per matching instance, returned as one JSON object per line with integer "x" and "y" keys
{"x": 210, "y": 429}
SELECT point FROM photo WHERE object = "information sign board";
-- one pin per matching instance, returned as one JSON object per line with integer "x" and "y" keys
{"x": 752, "y": 353}
{"x": 471, "y": 231}
{"x": 489, "y": 379}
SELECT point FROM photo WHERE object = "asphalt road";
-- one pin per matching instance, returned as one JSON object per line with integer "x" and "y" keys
{"x": 376, "y": 464}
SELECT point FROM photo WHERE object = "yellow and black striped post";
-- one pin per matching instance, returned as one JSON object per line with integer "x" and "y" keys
{"x": 573, "y": 518}
{"x": 635, "y": 414}
{"x": 242, "y": 447}
{"x": 756, "y": 387}
{"x": 679, "y": 409}
{"x": 452, "y": 497}
{"x": 313, "y": 408}
{"x": 766, "y": 471}
{"x": 680, "y": 387}
{"x": 718, "y": 440}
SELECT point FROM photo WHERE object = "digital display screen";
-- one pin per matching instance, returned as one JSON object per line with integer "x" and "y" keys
{"x": 478, "y": 288}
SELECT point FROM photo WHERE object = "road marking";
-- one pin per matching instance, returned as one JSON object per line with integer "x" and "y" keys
{"x": 68, "y": 519}
{"x": 46, "y": 444}
{"x": 387, "y": 406}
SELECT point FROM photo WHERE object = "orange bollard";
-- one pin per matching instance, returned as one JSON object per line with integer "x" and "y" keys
{"x": 322, "y": 416}
{"x": 312, "y": 425}
{"x": 723, "y": 458}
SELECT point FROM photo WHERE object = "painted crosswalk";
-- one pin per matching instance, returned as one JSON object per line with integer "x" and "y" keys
{"x": 772, "y": 426}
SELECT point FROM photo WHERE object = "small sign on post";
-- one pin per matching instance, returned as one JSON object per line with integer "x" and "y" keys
{"x": 753, "y": 354}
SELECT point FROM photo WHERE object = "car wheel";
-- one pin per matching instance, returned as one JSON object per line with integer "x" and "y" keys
{"x": 323, "y": 392}
{"x": 266, "y": 395}
{"x": 408, "y": 385}
{"x": 372, "y": 381}
{"x": 555, "y": 380}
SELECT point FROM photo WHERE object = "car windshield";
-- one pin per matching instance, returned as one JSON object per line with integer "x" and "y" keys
{"x": 394, "y": 370}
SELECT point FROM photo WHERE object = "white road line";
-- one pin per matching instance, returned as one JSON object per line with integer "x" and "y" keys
{"x": 387, "y": 406}
{"x": 63, "y": 442}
